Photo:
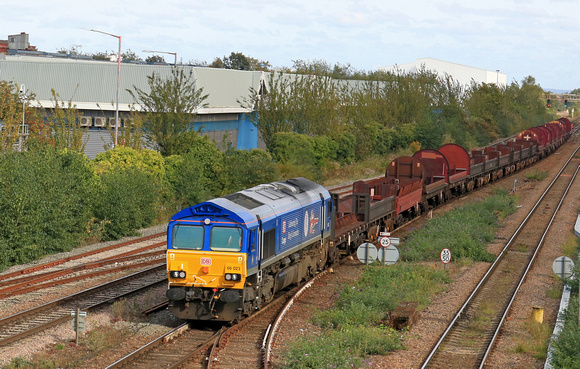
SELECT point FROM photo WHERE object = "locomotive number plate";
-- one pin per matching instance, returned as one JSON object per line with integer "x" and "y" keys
{"x": 232, "y": 268}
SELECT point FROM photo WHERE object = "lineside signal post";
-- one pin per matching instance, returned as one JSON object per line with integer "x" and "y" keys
{"x": 78, "y": 323}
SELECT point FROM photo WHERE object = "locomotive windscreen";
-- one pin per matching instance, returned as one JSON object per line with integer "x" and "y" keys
{"x": 188, "y": 237}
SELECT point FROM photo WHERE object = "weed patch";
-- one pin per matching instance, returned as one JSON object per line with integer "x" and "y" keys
{"x": 466, "y": 231}
{"x": 536, "y": 175}
{"x": 536, "y": 341}
{"x": 355, "y": 327}
{"x": 69, "y": 355}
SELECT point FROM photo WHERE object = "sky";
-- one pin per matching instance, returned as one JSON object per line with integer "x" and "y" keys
{"x": 519, "y": 37}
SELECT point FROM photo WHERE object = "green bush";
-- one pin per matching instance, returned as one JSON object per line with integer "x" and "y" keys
{"x": 44, "y": 202}
{"x": 147, "y": 161}
{"x": 248, "y": 168}
{"x": 292, "y": 147}
{"x": 566, "y": 353}
{"x": 126, "y": 201}
{"x": 197, "y": 175}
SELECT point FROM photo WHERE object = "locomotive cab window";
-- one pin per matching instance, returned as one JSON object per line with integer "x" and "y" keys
{"x": 187, "y": 237}
{"x": 226, "y": 239}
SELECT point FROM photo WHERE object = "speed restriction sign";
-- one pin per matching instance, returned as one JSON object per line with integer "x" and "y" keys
{"x": 445, "y": 256}
{"x": 385, "y": 241}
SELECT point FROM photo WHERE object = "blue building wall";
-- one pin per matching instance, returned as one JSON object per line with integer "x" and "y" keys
{"x": 247, "y": 133}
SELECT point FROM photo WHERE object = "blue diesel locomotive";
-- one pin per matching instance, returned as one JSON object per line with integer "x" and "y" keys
{"x": 228, "y": 256}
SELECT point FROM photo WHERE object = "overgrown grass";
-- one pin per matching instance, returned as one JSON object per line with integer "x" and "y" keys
{"x": 570, "y": 247}
{"x": 69, "y": 355}
{"x": 536, "y": 341}
{"x": 466, "y": 231}
{"x": 536, "y": 175}
{"x": 344, "y": 348}
{"x": 355, "y": 327}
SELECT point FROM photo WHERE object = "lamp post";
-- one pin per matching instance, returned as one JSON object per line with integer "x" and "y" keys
{"x": 164, "y": 52}
{"x": 23, "y": 97}
{"x": 118, "y": 79}
{"x": 497, "y": 77}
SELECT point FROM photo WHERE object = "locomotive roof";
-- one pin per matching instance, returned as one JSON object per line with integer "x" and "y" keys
{"x": 263, "y": 201}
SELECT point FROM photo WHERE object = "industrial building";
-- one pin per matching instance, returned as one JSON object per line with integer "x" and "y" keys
{"x": 463, "y": 74}
{"x": 91, "y": 87}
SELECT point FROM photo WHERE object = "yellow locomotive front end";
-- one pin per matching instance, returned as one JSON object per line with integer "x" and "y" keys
{"x": 206, "y": 270}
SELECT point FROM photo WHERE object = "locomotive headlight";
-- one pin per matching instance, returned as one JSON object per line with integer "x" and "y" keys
{"x": 177, "y": 274}
{"x": 233, "y": 277}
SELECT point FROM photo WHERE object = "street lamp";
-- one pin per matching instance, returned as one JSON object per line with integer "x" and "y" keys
{"x": 118, "y": 78}
{"x": 23, "y": 97}
{"x": 497, "y": 77}
{"x": 164, "y": 52}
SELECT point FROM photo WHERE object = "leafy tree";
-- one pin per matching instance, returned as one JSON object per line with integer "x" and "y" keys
{"x": 72, "y": 50}
{"x": 103, "y": 55}
{"x": 322, "y": 68}
{"x": 296, "y": 103}
{"x": 112, "y": 55}
{"x": 240, "y": 62}
{"x": 169, "y": 107}
{"x": 155, "y": 59}
{"x": 11, "y": 116}
{"x": 66, "y": 130}
{"x": 131, "y": 135}
{"x": 130, "y": 55}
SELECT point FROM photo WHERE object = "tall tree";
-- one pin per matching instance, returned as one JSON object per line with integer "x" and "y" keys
{"x": 170, "y": 107}
{"x": 67, "y": 131}
{"x": 240, "y": 61}
{"x": 15, "y": 109}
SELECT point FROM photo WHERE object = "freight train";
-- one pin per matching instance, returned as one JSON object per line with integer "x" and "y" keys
{"x": 227, "y": 257}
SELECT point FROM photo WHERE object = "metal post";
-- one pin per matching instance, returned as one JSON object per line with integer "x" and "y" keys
{"x": 165, "y": 52}
{"x": 118, "y": 79}
{"x": 78, "y": 317}
{"x": 117, "y": 99}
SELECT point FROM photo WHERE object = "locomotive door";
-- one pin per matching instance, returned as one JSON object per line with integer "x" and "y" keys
{"x": 259, "y": 243}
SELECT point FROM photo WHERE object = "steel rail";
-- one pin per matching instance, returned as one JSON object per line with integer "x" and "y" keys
{"x": 74, "y": 257}
{"x": 522, "y": 279}
{"x": 269, "y": 338}
{"x": 494, "y": 265}
{"x": 68, "y": 299}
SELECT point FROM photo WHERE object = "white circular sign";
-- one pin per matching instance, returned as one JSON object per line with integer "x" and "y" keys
{"x": 563, "y": 266}
{"x": 385, "y": 241}
{"x": 388, "y": 255}
{"x": 366, "y": 253}
{"x": 445, "y": 256}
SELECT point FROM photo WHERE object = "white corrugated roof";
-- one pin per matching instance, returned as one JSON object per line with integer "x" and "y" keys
{"x": 92, "y": 85}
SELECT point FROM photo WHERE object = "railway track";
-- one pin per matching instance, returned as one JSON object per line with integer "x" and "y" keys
{"x": 25, "y": 323}
{"x": 54, "y": 263}
{"x": 469, "y": 339}
{"x": 24, "y": 282}
{"x": 246, "y": 344}
{"x": 172, "y": 349}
